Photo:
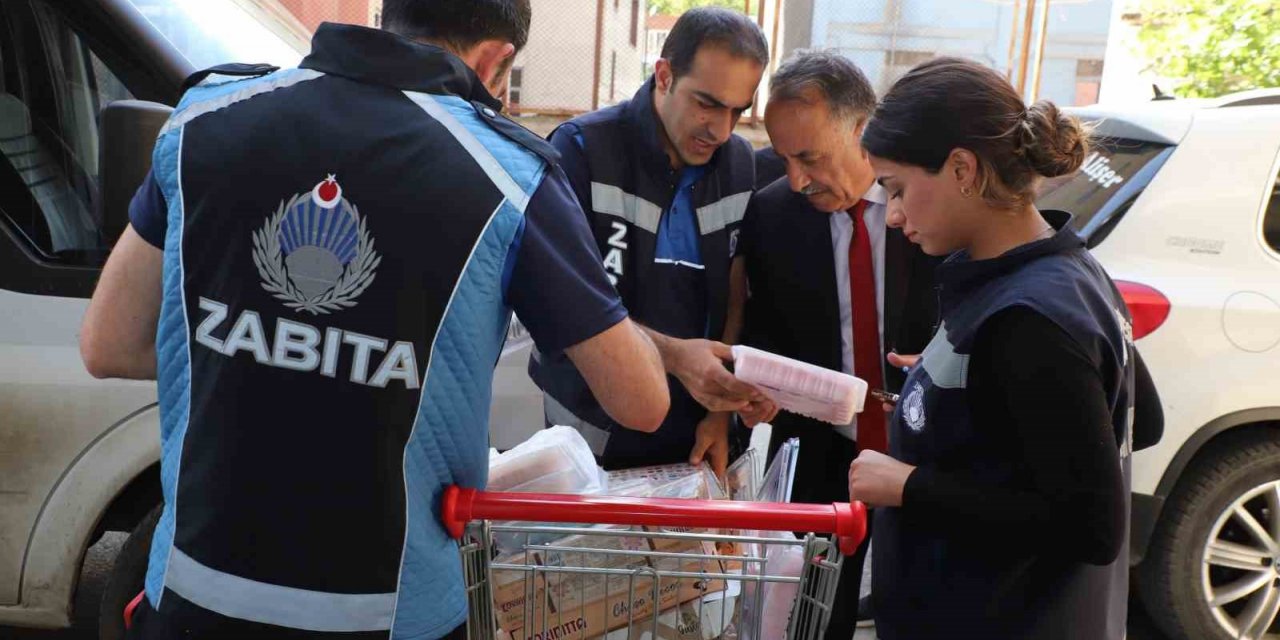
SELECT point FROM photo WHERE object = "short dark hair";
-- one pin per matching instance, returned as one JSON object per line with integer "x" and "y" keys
{"x": 948, "y": 103}
{"x": 460, "y": 24}
{"x": 834, "y": 77}
{"x": 713, "y": 26}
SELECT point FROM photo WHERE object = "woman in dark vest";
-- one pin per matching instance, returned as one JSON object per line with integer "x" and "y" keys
{"x": 1004, "y": 497}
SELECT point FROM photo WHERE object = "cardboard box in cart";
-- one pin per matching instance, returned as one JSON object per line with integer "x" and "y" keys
{"x": 514, "y": 591}
{"x": 581, "y": 606}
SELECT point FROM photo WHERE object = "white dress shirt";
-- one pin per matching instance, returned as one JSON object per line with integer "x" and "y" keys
{"x": 841, "y": 236}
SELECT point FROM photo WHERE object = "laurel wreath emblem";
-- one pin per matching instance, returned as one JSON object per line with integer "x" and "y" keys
{"x": 356, "y": 276}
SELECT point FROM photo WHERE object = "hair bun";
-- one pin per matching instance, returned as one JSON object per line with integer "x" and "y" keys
{"x": 1055, "y": 143}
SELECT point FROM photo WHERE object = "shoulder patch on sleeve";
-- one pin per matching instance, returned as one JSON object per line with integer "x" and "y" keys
{"x": 235, "y": 69}
{"x": 517, "y": 133}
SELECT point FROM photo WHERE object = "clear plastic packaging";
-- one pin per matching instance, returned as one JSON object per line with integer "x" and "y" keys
{"x": 679, "y": 480}
{"x": 780, "y": 476}
{"x": 744, "y": 475}
{"x": 800, "y": 387}
{"x": 779, "y": 560}
{"x": 779, "y": 598}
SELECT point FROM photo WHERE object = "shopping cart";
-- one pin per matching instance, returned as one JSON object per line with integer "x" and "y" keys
{"x": 647, "y": 568}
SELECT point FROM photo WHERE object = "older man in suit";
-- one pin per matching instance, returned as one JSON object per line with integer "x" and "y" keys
{"x": 829, "y": 283}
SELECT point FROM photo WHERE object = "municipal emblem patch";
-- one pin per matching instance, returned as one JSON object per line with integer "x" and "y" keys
{"x": 315, "y": 254}
{"x": 913, "y": 408}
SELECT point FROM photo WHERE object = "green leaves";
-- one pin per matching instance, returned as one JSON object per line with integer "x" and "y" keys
{"x": 1211, "y": 47}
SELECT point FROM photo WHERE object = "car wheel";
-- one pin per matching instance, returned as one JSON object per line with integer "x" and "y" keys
{"x": 1213, "y": 569}
{"x": 127, "y": 578}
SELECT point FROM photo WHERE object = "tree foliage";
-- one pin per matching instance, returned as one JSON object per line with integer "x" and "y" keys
{"x": 1211, "y": 47}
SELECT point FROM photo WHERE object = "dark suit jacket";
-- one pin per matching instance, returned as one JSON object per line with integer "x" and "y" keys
{"x": 769, "y": 167}
{"x": 794, "y": 310}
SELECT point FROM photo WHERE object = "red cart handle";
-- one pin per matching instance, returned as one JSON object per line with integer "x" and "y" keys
{"x": 848, "y": 521}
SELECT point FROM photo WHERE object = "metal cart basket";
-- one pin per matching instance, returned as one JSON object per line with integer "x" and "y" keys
{"x": 563, "y": 567}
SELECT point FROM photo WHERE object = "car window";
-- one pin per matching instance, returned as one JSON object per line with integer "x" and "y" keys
{"x": 1271, "y": 219}
{"x": 1113, "y": 176}
{"x": 52, "y": 88}
{"x": 214, "y": 32}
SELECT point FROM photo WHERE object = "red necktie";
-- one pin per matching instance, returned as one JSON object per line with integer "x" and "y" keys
{"x": 866, "y": 331}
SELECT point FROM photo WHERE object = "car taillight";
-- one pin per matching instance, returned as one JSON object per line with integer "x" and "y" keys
{"x": 1148, "y": 307}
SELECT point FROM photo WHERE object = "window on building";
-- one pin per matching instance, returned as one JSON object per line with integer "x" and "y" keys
{"x": 1088, "y": 81}
{"x": 1271, "y": 223}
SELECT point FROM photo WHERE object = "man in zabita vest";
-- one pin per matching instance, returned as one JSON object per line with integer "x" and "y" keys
{"x": 664, "y": 183}
{"x": 320, "y": 270}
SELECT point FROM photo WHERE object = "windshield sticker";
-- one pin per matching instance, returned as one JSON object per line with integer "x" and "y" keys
{"x": 1098, "y": 168}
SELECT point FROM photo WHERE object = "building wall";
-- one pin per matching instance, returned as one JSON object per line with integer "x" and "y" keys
{"x": 312, "y": 12}
{"x": 887, "y": 37}
{"x": 797, "y": 28}
{"x": 622, "y": 52}
{"x": 1074, "y": 52}
{"x": 653, "y": 45}
{"x": 557, "y": 66}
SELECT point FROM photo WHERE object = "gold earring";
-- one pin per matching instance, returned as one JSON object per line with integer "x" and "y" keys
{"x": 966, "y": 192}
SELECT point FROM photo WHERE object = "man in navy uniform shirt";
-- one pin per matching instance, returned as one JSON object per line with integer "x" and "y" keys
{"x": 320, "y": 271}
{"x": 664, "y": 183}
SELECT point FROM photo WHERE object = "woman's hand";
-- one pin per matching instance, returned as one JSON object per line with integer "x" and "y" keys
{"x": 878, "y": 480}
{"x": 901, "y": 362}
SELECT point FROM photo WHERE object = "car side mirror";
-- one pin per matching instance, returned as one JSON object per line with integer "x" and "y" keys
{"x": 127, "y": 136}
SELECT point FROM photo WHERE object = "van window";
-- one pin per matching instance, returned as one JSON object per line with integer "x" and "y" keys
{"x": 1114, "y": 174}
{"x": 52, "y": 88}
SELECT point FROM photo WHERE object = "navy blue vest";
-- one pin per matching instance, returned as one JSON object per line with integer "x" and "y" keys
{"x": 328, "y": 334}
{"x": 632, "y": 186}
{"x": 1059, "y": 279}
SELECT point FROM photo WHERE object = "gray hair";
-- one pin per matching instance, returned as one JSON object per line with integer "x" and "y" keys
{"x": 834, "y": 77}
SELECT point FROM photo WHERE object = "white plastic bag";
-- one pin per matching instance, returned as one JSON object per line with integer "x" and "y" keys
{"x": 555, "y": 460}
